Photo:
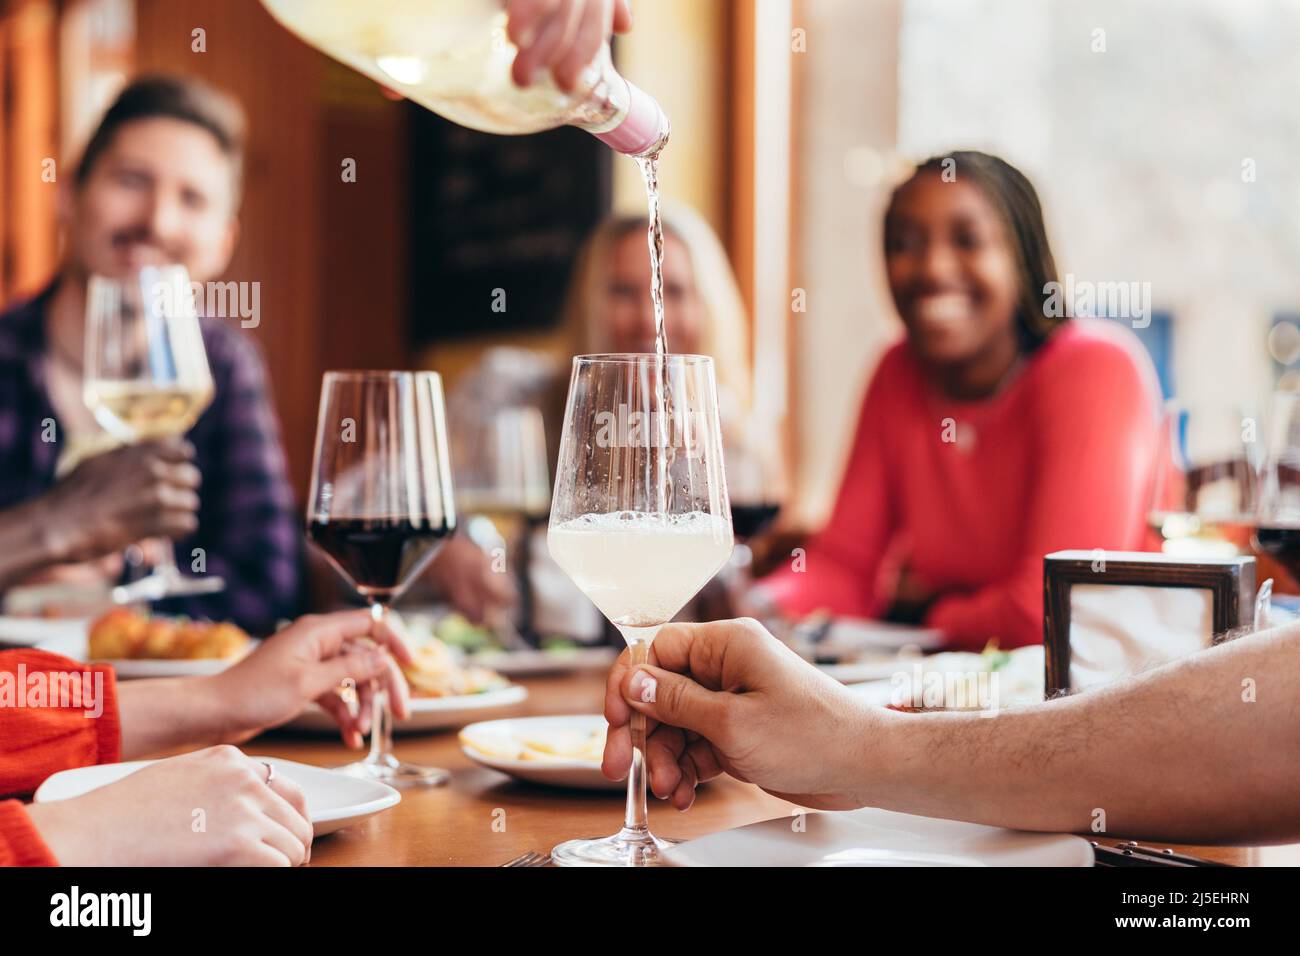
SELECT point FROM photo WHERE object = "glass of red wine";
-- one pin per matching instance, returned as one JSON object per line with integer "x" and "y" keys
{"x": 756, "y": 486}
{"x": 1203, "y": 492}
{"x": 1277, "y": 518}
{"x": 380, "y": 507}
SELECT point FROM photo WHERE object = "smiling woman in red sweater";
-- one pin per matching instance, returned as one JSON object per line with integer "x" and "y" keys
{"x": 992, "y": 434}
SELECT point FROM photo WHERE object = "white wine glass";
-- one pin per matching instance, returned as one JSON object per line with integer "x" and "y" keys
{"x": 503, "y": 491}
{"x": 380, "y": 508}
{"x": 146, "y": 376}
{"x": 640, "y": 521}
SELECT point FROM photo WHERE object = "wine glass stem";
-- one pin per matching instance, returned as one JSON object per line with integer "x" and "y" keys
{"x": 635, "y": 819}
{"x": 381, "y": 715}
{"x": 166, "y": 557}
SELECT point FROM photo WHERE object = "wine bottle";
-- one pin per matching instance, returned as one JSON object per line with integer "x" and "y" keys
{"x": 454, "y": 57}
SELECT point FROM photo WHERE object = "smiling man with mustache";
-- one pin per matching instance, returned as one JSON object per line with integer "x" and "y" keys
{"x": 158, "y": 183}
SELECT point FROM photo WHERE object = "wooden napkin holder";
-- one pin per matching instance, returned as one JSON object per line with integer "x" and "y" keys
{"x": 1230, "y": 582}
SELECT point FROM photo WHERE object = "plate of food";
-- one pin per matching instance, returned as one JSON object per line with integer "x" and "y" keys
{"x": 139, "y": 645}
{"x": 960, "y": 680}
{"x": 555, "y": 751}
{"x": 555, "y": 654}
{"x": 445, "y": 692}
{"x": 334, "y": 800}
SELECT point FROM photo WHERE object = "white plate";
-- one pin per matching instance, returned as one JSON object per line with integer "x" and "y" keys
{"x": 33, "y": 631}
{"x": 860, "y": 671}
{"x": 334, "y": 800}
{"x": 849, "y": 636}
{"x": 576, "y": 774}
{"x": 427, "y": 713}
{"x": 533, "y": 663}
{"x": 873, "y": 837}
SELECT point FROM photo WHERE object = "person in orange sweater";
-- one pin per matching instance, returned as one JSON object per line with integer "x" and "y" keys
{"x": 56, "y": 713}
{"x": 998, "y": 430}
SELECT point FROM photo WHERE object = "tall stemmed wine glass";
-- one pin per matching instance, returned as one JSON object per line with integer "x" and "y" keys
{"x": 1277, "y": 517}
{"x": 380, "y": 507}
{"x": 146, "y": 376}
{"x": 1205, "y": 480}
{"x": 503, "y": 491}
{"x": 640, "y": 521}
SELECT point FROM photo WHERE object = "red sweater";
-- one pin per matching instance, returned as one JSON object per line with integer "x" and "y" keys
{"x": 41, "y": 737}
{"x": 1062, "y": 458}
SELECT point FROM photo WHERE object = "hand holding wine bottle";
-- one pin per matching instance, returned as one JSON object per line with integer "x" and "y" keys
{"x": 562, "y": 35}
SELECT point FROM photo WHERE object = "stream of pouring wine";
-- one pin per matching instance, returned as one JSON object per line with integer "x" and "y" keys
{"x": 649, "y": 165}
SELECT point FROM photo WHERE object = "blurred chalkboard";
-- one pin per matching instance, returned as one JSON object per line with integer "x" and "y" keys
{"x": 497, "y": 213}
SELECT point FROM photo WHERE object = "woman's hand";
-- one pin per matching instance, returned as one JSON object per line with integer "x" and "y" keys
{"x": 463, "y": 574}
{"x": 212, "y": 807}
{"x": 309, "y": 661}
{"x": 728, "y": 696}
{"x": 561, "y": 35}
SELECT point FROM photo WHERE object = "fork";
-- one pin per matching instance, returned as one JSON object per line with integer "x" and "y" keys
{"x": 531, "y": 858}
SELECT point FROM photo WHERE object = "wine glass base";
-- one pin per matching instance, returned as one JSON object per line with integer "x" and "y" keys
{"x": 396, "y": 773}
{"x": 625, "y": 848}
{"x": 162, "y": 584}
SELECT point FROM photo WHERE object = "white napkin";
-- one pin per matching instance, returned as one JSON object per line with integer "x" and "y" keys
{"x": 1117, "y": 630}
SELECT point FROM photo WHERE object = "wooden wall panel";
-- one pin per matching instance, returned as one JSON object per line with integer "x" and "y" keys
{"x": 278, "y": 80}
{"x": 28, "y": 137}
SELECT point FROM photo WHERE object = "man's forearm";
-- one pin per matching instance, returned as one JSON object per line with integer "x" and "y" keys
{"x": 29, "y": 542}
{"x": 1200, "y": 750}
{"x": 164, "y": 714}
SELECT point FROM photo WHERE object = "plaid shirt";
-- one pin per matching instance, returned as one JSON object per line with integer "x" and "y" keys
{"x": 248, "y": 527}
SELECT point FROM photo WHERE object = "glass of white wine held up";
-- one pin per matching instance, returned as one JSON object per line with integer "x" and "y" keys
{"x": 146, "y": 376}
{"x": 640, "y": 521}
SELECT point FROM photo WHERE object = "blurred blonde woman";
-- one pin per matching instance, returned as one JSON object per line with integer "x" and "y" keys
{"x": 608, "y": 309}
{"x": 608, "y": 305}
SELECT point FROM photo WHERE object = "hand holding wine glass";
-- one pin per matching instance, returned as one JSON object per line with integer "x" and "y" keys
{"x": 120, "y": 497}
{"x": 752, "y": 707}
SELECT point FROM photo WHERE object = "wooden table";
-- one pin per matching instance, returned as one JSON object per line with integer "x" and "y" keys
{"x": 485, "y": 818}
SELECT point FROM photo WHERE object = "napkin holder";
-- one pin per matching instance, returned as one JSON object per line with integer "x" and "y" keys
{"x": 1161, "y": 607}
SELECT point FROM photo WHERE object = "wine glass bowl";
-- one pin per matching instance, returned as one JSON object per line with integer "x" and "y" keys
{"x": 1277, "y": 517}
{"x": 1204, "y": 483}
{"x": 503, "y": 487}
{"x": 640, "y": 521}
